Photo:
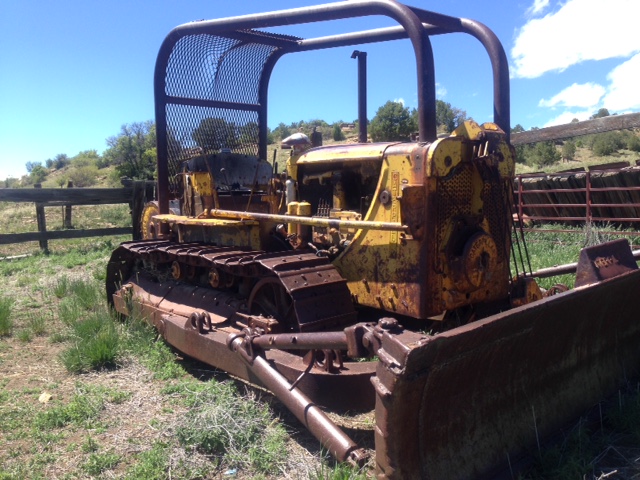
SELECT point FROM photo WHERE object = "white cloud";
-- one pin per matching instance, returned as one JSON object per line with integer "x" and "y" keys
{"x": 399, "y": 100}
{"x": 579, "y": 30}
{"x": 567, "y": 117}
{"x": 623, "y": 92}
{"x": 577, "y": 95}
{"x": 440, "y": 90}
{"x": 537, "y": 7}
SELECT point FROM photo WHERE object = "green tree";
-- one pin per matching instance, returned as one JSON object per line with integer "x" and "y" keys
{"x": 603, "y": 112}
{"x": 337, "y": 133}
{"x": 248, "y": 133}
{"x": 281, "y": 131}
{"x": 58, "y": 162}
{"x": 543, "y": 154}
{"x": 393, "y": 121}
{"x": 447, "y": 117}
{"x": 133, "y": 151}
{"x": 214, "y": 134}
{"x": 569, "y": 150}
{"x": 38, "y": 173}
{"x": 83, "y": 168}
{"x": 31, "y": 165}
{"x": 522, "y": 151}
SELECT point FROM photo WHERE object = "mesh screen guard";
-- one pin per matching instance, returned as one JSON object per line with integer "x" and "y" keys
{"x": 212, "y": 96}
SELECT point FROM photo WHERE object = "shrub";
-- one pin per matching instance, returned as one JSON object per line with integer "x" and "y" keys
{"x": 83, "y": 176}
{"x": 607, "y": 143}
{"x": 543, "y": 154}
{"x": 569, "y": 150}
{"x": 633, "y": 143}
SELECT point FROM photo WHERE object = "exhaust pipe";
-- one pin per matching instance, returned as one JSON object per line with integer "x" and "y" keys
{"x": 362, "y": 94}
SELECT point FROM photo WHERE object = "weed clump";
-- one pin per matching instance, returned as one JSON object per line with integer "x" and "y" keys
{"x": 6, "y": 323}
{"x": 238, "y": 431}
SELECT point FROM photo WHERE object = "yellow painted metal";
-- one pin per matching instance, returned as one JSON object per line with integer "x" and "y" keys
{"x": 227, "y": 215}
{"x": 382, "y": 267}
{"x": 304, "y": 209}
{"x": 147, "y": 226}
{"x": 202, "y": 183}
{"x": 454, "y": 251}
{"x": 473, "y": 268}
{"x": 219, "y": 231}
{"x": 344, "y": 153}
{"x": 209, "y": 222}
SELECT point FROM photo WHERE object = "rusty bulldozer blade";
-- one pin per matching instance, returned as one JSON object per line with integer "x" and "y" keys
{"x": 472, "y": 396}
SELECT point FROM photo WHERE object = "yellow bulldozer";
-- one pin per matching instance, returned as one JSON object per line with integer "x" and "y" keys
{"x": 401, "y": 254}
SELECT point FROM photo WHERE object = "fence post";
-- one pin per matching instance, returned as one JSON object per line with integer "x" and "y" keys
{"x": 42, "y": 224}
{"x": 137, "y": 205}
{"x": 67, "y": 211}
{"x": 588, "y": 198}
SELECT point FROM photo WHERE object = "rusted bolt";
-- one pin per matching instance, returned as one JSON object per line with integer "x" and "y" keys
{"x": 388, "y": 323}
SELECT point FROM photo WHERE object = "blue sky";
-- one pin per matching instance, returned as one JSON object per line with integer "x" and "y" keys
{"x": 73, "y": 71}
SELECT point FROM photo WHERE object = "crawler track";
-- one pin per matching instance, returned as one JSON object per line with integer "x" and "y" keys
{"x": 301, "y": 291}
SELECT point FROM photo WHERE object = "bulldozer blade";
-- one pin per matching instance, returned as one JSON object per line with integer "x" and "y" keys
{"x": 169, "y": 308}
{"x": 464, "y": 402}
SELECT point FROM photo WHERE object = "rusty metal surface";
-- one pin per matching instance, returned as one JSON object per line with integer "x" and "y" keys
{"x": 312, "y": 417}
{"x": 600, "y": 262}
{"x": 477, "y": 394}
{"x": 168, "y": 304}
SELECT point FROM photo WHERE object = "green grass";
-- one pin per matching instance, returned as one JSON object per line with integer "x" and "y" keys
{"x": 238, "y": 431}
{"x": 97, "y": 463}
{"x": 547, "y": 248}
{"x": 152, "y": 464}
{"x": 341, "y": 471}
{"x": 143, "y": 342}
{"x": 6, "y": 322}
{"x": 205, "y": 428}
{"x": 83, "y": 410}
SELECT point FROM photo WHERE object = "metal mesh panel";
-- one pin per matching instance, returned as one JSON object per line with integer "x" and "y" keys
{"x": 194, "y": 130}
{"x": 210, "y": 67}
{"x": 224, "y": 71}
{"x": 455, "y": 192}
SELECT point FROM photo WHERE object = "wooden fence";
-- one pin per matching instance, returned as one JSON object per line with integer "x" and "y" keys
{"x": 600, "y": 194}
{"x": 135, "y": 194}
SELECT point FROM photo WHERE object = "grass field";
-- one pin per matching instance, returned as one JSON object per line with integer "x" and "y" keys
{"x": 83, "y": 395}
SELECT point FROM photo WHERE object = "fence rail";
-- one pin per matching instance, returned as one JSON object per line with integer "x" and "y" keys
{"x": 135, "y": 194}
{"x": 598, "y": 195}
